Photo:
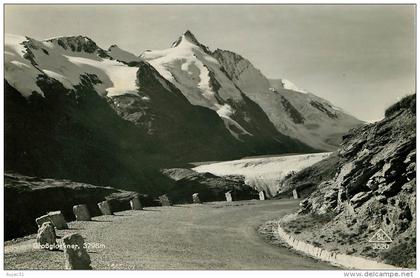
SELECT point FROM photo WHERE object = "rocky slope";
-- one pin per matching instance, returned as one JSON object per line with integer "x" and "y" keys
{"x": 370, "y": 186}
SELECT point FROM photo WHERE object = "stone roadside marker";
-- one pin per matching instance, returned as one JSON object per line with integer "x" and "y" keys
{"x": 295, "y": 194}
{"x": 164, "y": 200}
{"x": 46, "y": 236}
{"x": 55, "y": 217}
{"x": 228, "y": 196}
{"x": 196, "y": 198}
{"x": 42, "y": 219}
{"x": 262, "y": 195}
{"x": 135, "y": 204}
{"x": 75, "y": 252}
{"x": 105, "y": 208}
{"x": 81, "y": 212}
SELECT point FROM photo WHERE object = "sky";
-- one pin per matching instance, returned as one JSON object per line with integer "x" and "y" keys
{"x": 359, "y": 57}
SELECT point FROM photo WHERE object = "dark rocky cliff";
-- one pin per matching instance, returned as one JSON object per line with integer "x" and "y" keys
{"x": 370, "y": 186}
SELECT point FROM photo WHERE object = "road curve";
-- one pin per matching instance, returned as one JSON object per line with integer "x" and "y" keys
{"x": 216, "y": 235}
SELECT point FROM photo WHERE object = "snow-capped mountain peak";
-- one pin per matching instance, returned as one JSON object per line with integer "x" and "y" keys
{"x": 187, "y": 37}
{"x": 78, "y": 44}
{"x": 67, "y": 60}
{"x": 190, "y": 66}
{"x": 189, "y": 41}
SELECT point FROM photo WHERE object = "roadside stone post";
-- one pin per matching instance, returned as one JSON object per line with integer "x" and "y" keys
{"x": 262, "y": 195}
{"x": 46, "y": 237}
{"x": 196, "y": 198}
{"x": 135, "y": 204}
{"x": 295, "y": 194}
{"x": 57, "y": 219}
{"x": 105, "y": 208}
{"x": 42, "y": 219}
{"x": 81, "y": 212}
{"x": 75, "y": 252}
{"x": 164, "y": 200}
{"x": 228, "y": 196}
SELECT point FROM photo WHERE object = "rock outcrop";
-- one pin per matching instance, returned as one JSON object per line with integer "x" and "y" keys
{"x": 373, "y": 187}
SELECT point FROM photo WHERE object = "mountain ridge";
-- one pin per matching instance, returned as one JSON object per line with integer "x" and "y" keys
{"x": 211, "y": 79}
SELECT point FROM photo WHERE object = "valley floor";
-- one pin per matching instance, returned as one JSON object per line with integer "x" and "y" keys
{"x": 216, "y": 235}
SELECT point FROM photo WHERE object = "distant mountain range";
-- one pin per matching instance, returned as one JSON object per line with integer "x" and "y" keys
{"x": 74, "y": 110}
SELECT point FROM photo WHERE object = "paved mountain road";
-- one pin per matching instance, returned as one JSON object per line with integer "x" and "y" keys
{"x": 215, "y": 235}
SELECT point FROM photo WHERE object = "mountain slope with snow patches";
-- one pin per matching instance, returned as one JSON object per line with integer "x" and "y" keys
{"x": 122, "y": 55}
{"x": 294, "y": 111}
{"x": 197, "y": 73}
{"x": 194, "y": 72}
{"x": 223, "y": 81}
{"x": 65, "y": 59}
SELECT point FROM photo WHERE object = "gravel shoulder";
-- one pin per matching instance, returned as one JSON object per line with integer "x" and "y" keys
{"x": 216, "y": 235}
